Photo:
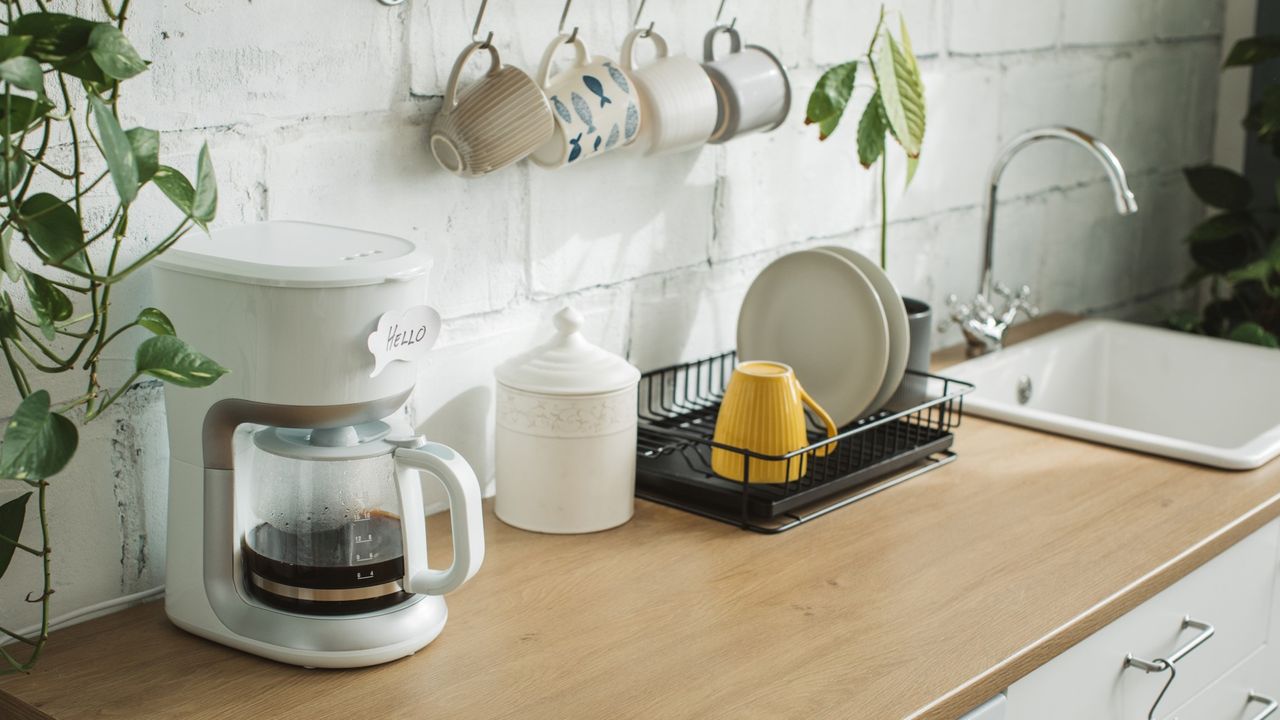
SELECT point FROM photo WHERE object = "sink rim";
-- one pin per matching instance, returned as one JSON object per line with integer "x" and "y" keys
{"x": 1249, "y": 455}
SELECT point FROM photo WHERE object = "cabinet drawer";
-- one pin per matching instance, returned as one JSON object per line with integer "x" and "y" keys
{"x": 1242, "y": 694}
{"x": 1232, "y": 592}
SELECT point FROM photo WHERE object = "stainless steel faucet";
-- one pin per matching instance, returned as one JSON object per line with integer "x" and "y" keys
{"x": 983, "y": 325}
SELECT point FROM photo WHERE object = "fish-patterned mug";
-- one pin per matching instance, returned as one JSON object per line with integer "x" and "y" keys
{"x": 594, "y": 103}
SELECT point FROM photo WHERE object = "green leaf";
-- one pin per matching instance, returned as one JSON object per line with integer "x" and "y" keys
{"x": 1251, "y": 51}
{"x": 11, "y": 46}
{"x": 146, "y": 151}
{"x": 1185, "y": 321}
{"x": 117, "y": 150}
{"x": 830, "y": 98}
{"x": 113, "y": 52}
{"x": 1222, "y": 225}
{"x": 8, "y": 319}
{"x": 55, "y": 37}
{"x": 12, "y": 173}
{"x": 172, "y": 360}
{"x": 1224, "y": 242}
{"x": 7, "y": 265}
{"x": 901, "y": 93}
{"x": 55, "y": 229}
{"x": 21, "y": 114}
{"x": 48, "y": 302}
{"x": 156, "y": 321}
{"x": 37, "y": 443}
{"x": 13, "y": 515}
{"x": 913, "y": 163}
{"x": 871, "y": 130}
{"x": 907, "y": 50}
{"x": 176, "y": 187}
{"x": 204, "y": 205}
{"x": 1257, "y": 271}
{"x": 1263, "y": 117}
{"x": 23, "y": 72}
{"x": 1254, "y": 334}
{"x": 1219, "y": 187}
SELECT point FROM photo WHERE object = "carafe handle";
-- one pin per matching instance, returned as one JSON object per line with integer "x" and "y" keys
{"x": 464, "y": 507}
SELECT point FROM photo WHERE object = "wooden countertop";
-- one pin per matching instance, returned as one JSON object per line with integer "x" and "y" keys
{"x": 922, "y": 601}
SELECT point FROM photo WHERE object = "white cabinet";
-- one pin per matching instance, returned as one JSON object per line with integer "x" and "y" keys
{"x": 1235, "y": 593}
{"x": 993, "y": 709}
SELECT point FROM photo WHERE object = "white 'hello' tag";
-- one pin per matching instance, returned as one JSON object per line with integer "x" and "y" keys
{"x": 404, "y": 336}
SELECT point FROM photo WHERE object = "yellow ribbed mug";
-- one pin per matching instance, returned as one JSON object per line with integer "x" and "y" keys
{"x": 763, "y": 412}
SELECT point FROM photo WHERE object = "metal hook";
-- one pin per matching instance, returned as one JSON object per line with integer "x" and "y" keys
{"x": 475, "y": 29}
{"x": 564, "y": 15}
{"x": 720, "y": 12}
{"x": 636, "y": 23}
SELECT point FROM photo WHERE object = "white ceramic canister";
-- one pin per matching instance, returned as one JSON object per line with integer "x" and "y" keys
{"x": 566, "y": 435}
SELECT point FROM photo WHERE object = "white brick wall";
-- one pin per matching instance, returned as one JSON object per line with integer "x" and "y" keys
{"x": 318, "y": 109}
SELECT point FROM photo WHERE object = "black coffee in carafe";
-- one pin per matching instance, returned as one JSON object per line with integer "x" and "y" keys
{"x": 354, "y": 567}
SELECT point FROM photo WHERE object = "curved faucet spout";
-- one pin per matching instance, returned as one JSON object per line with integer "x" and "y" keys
{"x": 1125, "y": 202}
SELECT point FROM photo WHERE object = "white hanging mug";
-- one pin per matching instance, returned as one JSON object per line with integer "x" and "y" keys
{"x": 677, "y": 98}
{"x": 594, "y": 104}
{"x": 751, "y": 84}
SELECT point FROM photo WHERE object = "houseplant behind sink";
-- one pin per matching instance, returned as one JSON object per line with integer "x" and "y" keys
{"x": 1237, "y": 249}
{"x": 896, "y": 110}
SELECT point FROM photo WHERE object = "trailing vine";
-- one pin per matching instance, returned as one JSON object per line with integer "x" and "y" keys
{"x": 61, "y": 76}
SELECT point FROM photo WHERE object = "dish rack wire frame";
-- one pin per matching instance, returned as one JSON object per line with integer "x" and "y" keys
{"x": 677, "y": 408}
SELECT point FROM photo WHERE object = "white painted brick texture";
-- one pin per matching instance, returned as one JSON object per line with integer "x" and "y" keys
{"x": 319, "y": 109}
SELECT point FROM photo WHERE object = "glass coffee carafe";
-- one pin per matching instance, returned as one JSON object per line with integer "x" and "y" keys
{"x": 334, "y": 522}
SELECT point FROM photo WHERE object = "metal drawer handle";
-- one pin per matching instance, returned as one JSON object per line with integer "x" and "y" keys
{"x": 1267, "y": 711}
{"x": 1206, "y": 632}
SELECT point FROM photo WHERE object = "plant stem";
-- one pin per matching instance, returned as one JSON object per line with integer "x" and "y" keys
{"x": 19, "y": 377}
{"x": 20, "y": 546}
{"x": 16, "y": 636}
{"x": 111, "y": 397}
{"x": 48, "y": 576}
{"x": 884, "y": 213}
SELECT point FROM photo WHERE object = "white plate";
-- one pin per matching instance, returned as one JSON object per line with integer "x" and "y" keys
{"x": 894, "y": 311}
{"x": 819, "y": 314}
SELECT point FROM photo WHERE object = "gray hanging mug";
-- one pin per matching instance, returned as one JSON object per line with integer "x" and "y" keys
{"x": 751, "y": 84}
{"x": 496, "y": 121}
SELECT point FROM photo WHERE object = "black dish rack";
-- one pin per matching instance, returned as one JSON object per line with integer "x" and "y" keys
{"x": 677, "y": 415}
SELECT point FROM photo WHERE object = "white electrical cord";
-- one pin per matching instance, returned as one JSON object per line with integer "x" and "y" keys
{"x": 90, "y": 612}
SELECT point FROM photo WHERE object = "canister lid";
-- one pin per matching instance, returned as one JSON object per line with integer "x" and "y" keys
{"x": 567, "y": 364}
{"x": 297, "y": 254}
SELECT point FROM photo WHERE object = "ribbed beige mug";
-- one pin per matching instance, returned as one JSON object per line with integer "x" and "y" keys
{"x": 676, "y": 97}
{"x": 751, "y": 83}
{"x": 496, "y": 121}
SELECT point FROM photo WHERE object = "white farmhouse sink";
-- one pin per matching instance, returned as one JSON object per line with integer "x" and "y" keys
{"x": 1167, "y": 393}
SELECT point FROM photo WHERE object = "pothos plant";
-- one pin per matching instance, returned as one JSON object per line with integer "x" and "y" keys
{"x": 62, "y": 76}
{"x": 1237, "y": 249}
{"x": 896, "y": 109}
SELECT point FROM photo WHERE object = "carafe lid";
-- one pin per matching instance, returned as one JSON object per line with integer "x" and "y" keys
{"x": 350, "y": 442}
{"x": 567, "y": 364}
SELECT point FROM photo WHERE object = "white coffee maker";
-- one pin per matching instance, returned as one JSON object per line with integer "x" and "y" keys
{"x": 296, "y": 521}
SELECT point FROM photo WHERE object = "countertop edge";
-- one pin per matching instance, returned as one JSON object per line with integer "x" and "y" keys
{"x": 13, "y": 708}
{"x": 998, "y": 678}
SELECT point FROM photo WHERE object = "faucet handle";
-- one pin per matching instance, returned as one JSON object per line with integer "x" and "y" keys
{"x": 1023, "y": 301}
{"x": 960, "y": 312}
